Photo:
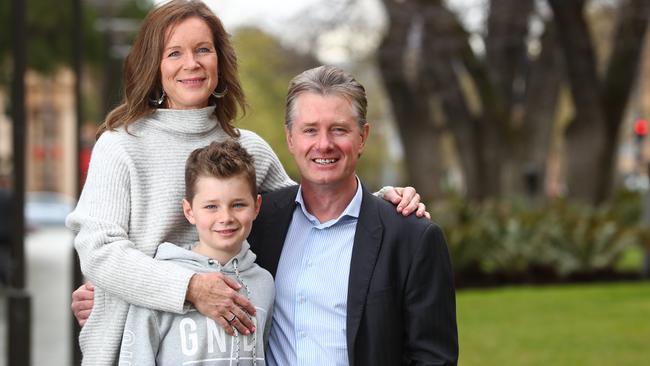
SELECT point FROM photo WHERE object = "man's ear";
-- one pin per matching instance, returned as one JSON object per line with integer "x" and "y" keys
{"x": 187, "y": 211}
{"x": 365, "y": 132}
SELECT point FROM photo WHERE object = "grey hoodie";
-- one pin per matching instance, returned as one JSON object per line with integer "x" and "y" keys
{"x": 153, "y": 337}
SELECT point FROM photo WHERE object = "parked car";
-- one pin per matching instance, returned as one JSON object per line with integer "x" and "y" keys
{"x": 47, "y": 209}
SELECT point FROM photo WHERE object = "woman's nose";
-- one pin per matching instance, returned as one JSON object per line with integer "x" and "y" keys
{"x": 190, "y": 61}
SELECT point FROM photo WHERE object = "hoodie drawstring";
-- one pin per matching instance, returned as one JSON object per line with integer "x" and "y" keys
{"x": 248, "y": 296}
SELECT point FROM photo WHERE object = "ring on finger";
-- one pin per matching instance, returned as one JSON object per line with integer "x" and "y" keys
{"x": 232, "y": 319}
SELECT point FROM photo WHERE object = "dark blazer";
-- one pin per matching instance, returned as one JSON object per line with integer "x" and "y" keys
{"x": 401, "y": 301}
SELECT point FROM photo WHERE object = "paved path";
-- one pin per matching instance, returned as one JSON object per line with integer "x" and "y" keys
{"x": 49, "y": 273}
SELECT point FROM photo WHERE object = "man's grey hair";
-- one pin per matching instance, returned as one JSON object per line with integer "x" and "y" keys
{"x": 327, "y": 80}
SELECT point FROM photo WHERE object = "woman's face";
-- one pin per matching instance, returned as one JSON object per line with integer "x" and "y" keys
{"x": 189, "y": 65}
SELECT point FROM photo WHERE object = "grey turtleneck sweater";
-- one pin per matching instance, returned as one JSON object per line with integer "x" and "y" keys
{"x": 131, "y": 203}
{"x": 161, "y": 338}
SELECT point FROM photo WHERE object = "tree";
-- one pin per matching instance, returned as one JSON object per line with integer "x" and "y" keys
{"x": 49, "y": 36}
{"x": 599, "y": 100}
{"x": 499, "y": 101}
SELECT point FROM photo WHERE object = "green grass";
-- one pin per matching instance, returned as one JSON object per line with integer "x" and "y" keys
{"x": 604, "y": 324}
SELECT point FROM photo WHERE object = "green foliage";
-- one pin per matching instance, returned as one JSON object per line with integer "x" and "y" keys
{"x": 559, "y": 239}
{"x": 49, "y": 34}
{"x": 582, "y": 240}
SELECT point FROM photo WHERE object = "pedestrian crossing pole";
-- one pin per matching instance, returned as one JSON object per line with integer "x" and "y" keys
{"x": 19, "y": 301}
{"x": 77, "y": 58}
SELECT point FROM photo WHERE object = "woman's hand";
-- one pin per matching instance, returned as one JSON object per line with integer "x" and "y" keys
{"x": 216, "y": 296}
{"x": 82, "y": 302}
{"x": 406, "y": 199}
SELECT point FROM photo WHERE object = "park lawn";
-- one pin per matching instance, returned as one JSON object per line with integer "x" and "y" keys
{"x": 590, "y": 324}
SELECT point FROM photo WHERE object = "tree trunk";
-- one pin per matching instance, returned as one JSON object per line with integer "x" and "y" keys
{"x": 622, "y": 69}
{"x": 586, "y": 135}
{"x": 410, "y": 102}
{"x": 592, "y": 137}
{"x": 534, "y": 137}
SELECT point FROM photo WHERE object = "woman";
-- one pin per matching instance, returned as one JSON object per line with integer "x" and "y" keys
{"x": 181, "y": 92}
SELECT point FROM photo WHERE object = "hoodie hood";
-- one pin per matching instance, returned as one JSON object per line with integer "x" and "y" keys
{"x": 185, "y": 257}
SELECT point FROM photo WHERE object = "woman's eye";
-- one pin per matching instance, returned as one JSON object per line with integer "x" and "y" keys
{"x": 204, "y": 50}
{"x": 173, "y": 54}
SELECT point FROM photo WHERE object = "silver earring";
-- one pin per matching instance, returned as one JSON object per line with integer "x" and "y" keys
{"x": 160, "y": 100}
{"x": 220, "y": 95}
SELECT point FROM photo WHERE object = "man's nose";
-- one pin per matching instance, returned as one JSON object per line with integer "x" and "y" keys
{"x": 324, "y": 141}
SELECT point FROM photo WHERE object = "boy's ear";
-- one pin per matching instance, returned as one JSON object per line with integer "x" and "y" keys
{"x": 187, "y": 211}
{"x": 258, "y": 204}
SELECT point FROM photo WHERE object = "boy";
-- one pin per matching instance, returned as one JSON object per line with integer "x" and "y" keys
{"x": 221, "y": 200}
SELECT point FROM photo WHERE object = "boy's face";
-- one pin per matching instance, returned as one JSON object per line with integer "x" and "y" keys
{"x": 223, "y": 211}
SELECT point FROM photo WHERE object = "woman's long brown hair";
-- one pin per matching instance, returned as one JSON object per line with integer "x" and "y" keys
{"x": 141, "y": 73}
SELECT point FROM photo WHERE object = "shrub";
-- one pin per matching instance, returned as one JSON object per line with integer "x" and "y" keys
{"x": 513, "y": 241}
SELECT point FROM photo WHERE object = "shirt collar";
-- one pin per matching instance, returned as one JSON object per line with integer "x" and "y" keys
{"x": 352, "y": 210}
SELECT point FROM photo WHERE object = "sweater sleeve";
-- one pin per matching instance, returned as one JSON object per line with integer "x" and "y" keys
{"x": 271, "y": 175}
{"x": 108, "y": 257}
{"x": 141, "y": 338}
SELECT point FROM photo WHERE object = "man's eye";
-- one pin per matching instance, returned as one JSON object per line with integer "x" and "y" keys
{"x": 211, "y": 207}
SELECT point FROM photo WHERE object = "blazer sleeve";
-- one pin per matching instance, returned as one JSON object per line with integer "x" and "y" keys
{"x": 432, "y": 336}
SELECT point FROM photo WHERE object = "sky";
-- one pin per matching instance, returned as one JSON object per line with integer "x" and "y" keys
{"x": 239, "y": 12}
{"x": 280, "y": 17}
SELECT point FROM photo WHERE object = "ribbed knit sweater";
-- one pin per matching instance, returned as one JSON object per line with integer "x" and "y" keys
{"x": 131, "y": 203}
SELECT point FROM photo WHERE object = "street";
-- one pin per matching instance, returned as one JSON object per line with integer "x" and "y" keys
{"x": 49, "y": 276}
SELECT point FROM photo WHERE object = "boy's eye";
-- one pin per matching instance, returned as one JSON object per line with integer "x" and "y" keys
{"x": 211, "y": 207}
{"x": 239, "y": 205}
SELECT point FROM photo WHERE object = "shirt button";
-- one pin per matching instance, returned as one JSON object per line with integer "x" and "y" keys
{"x": 210, "y": 261}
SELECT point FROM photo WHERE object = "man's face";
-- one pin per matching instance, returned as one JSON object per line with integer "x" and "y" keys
{"x": 326, "y": 140}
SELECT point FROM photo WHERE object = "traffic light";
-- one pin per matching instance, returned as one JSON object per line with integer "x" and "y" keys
{"x": 640, "y": 128}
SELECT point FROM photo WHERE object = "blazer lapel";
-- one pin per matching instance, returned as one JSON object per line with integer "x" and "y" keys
{"x": 275, "y": 223}
{"x": 367, "y": 242}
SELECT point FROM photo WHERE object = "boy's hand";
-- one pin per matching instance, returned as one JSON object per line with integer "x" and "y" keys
{"x": 82, "y": 302}
{"x": 216, "y": 296}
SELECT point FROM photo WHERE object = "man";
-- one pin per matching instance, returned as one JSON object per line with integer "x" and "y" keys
{"x": 356, "y": 283}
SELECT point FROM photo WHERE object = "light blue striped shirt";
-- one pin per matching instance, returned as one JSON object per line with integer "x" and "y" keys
{"x": 311, "y": 282}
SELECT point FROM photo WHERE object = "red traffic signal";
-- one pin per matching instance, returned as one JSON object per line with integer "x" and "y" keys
{"x": 641, "y": 127}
